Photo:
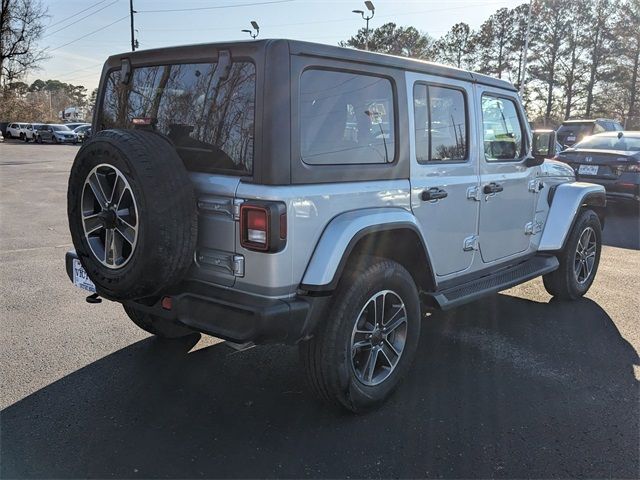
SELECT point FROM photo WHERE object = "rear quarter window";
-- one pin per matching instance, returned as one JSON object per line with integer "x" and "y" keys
{"x": 346, "y": 118}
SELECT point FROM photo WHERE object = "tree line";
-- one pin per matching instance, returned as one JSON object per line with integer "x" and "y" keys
{"x": 583, "y": 56}
{"x": 42, "y": 100}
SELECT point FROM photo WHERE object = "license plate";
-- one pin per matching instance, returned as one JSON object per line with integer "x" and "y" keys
{"x": 571, "y": 138}
{"x": 588, "y": 170}
{"x": 80, "y": 277}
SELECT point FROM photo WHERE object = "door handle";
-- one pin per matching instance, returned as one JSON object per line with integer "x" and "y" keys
{"x": 492, "y": 188}
{"x": 433, "y": 194}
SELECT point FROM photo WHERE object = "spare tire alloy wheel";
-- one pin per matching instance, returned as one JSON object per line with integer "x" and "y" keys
{"x": 132, "y": 214}
{"x": 109, "y": 216}
{"x": 379, "y": 337}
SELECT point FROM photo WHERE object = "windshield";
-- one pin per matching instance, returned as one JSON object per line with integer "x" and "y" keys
{"x": 627, "y": 144}
{"x": 208, "y": 114}
{"x": 60, "y": 128}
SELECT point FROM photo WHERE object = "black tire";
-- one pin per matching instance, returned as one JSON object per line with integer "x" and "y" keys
{"x": 161, "y": 327}
{"x": 327, "y": 356}
{"x": 39, "y": 139}
{"x": 564, "y": 283}
{"x": 55, "y": 139}
{"x": 166, "y": 216}
{"x": 22, "y": 135}
{"x": 26, "y": 139}
{"x": 8, "y": 134}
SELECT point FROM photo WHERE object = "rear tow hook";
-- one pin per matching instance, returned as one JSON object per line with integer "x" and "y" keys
{"x": 94, "y": 298}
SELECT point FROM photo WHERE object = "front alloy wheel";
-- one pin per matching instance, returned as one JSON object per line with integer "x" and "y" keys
{"x": 585, "y": 257}
{"x": 109, "y": 216}
{"x": 578, "y": 260}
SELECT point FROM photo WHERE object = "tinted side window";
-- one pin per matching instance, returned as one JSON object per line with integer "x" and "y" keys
{"x": 346, "y": 118}
{"x": 503, "y": 133}
{"x": 440, "y": 123}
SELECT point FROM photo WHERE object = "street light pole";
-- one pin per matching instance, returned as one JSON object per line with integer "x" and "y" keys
{"x": 133, "y": 40}
{"x": 371, "y": 9}
{"x": 251, "y": 33}
{"x": 526, "y": 48}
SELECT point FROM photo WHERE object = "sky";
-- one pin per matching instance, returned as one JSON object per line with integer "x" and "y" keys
{"x": 81, "y": 34}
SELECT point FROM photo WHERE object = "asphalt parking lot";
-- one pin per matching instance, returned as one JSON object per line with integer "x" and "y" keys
{"x": 516, "y": 385}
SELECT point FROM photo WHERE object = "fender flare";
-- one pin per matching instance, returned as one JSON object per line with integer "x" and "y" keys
{"x": 565, "y": 202}
{"x": 340, "y": 237}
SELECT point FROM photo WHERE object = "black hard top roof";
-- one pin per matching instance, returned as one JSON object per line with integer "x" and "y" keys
{"x": 298, "y": 47}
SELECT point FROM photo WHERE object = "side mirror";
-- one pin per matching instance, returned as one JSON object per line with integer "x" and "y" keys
{"x": 543, "y": 146}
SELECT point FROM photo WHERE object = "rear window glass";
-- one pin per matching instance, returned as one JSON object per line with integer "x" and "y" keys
{"x": 574, "y": 132}
{"x": 625, "y": 143}
{"x": 210, "y": 119}
{"x": 346, "y": 118}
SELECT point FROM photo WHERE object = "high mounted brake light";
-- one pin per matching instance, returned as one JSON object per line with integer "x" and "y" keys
{"x": 263, "y": 226}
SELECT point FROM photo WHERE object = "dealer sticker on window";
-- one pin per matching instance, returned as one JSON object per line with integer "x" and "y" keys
{"x": 80, "y": 277}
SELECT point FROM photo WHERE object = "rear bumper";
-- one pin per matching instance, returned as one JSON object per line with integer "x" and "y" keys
{"x": 233, "y": 315}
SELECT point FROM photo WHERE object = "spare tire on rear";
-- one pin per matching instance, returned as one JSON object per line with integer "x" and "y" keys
{"x": 132, "y": 213}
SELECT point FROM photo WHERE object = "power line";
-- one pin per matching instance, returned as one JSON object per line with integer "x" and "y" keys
{"x": 80, "y": 19}
{"x": 318, "y": 22}
{"x": 90, "y": 33}
{"x": 75, "y": 14}
{"x": 253, "y": 4}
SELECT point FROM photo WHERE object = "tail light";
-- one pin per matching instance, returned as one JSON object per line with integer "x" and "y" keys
{"x": 263, "y": 226}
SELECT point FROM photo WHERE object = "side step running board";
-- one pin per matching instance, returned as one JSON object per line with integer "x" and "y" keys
{"x": 492, "y": 283}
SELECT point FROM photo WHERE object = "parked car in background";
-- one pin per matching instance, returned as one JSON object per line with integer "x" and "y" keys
{"x": 56, "y": 134}
{"x": 16, "y": 130}
{"x": 574, "y": 131}
{"x": 73, "y": 126}
{"x": 1, "y": 137}
{"x": 83, "y": 132}
{"x": 611, "y": 159}
{"x": 30, "y": 131}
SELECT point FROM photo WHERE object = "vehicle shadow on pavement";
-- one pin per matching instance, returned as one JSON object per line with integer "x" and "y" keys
{"x": 622, "y": 226}
{"x": 504, "y": 387}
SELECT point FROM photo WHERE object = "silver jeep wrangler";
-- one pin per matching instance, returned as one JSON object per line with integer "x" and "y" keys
{"x": 284, "y": 191}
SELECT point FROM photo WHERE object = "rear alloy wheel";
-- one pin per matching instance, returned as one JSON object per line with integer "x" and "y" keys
{"x": 368, "y": 337}
{"x": 579, "y": 260}
{"x": 378, "y": 338}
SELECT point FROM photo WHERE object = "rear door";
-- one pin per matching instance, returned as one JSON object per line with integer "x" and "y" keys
{"x": 444, "y": 170}
{"x": 507, "y": 204}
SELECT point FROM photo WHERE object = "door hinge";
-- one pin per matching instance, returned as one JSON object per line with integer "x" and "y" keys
{"x": 532, "y": 228}
{"x": 470, "y": 243}
{"x": 237, "y": 202}
{"x": 473, "y": 193}
{"x": 535, "y": 186}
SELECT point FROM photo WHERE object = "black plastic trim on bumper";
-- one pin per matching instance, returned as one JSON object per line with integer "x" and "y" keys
{"x": 232, "y": 315}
